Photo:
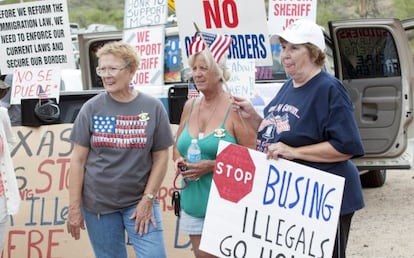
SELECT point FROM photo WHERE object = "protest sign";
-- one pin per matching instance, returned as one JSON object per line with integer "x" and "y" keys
{"x": 35, "y": 34}
{"x": 243, "y": 20}
{"x": 32, "y": 83}
{"x": 269, "y": 208}
{"x": 144, "y": 13}
{"x": 284, "y": 12}
{"x": 242, "y": 80}
{"x": 41, "y": 159}
{"x": 149, "y": 43}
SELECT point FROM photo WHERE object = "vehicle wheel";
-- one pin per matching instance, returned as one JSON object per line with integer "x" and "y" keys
{"x": 373, "y": 178}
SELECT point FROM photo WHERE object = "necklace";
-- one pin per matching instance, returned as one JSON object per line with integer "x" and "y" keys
{"x": 201, "y": 131}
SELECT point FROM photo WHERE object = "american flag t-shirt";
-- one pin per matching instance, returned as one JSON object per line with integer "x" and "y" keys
{"x": 119, "y": 131}
{"x": 217, "y": 44}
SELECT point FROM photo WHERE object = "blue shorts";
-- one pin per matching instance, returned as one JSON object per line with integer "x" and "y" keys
{"x": 191, "y": 225}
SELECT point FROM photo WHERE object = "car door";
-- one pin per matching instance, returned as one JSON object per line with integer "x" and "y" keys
{"x": 373, "y": 59}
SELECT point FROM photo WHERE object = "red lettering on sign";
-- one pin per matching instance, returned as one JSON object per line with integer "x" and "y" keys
{"x": 37, "y": 244}
{"x": 44, "y": 75}
{"x": 217, "y": 14}
{"x": 234, "y": 173}
{"x": 143, "y": 36}
{"x": 141, "y": 78}
{"x": 50, "y": 168}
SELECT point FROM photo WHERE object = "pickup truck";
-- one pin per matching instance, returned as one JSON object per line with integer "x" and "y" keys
{"x": 372, "y": 57}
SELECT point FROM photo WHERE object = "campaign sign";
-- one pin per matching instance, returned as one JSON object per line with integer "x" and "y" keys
{"x": 149, "y": 43}
{"x": 282, "y": 13}
{"x": 269, "y": 208}
{"x": 145, "y": 13}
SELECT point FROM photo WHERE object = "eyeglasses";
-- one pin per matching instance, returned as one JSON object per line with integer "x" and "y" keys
{"x": 112, "y": 71}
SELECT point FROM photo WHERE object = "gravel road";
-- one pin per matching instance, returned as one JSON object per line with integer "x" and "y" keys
{"x": 385, "y": 227}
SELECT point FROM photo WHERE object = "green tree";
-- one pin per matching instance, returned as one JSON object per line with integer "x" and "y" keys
{"x": 404, "y": 9}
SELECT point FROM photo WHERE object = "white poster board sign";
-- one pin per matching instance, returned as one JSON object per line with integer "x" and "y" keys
{"x": 243, "y": 20}
{"x": 144, "y": 13}
{"x": 267, "y": 208}
{"x": 149, "y": 42}
{"x": 242, "y": 78}
{"x": 33, "y": 83}
{"x": 284, "y": 12}
{"x": 35, "y": 34}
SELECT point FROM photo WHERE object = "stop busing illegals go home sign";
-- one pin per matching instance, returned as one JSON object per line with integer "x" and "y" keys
{"x": 269, "y": 208}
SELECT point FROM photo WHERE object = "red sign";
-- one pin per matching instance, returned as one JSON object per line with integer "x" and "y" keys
{"x": 234, "y": 173}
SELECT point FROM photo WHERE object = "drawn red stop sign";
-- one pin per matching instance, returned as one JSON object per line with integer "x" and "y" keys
{"x": 234, "y": 173}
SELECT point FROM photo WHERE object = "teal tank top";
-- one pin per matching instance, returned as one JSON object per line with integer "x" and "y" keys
{"x": 195, "y": 196}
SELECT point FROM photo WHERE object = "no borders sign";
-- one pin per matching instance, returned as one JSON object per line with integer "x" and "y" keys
{"x": 243, "y": 20}
{"x": 269, "y": 208}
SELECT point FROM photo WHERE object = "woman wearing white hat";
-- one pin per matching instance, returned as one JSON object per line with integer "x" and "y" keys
{"x": 318, "y": 129}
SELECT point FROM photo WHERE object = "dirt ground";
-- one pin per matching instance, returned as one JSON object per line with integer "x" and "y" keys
{"x": 385, "y": 227}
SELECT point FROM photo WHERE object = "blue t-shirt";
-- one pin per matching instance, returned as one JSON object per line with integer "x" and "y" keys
{"x": 319, "y": 111}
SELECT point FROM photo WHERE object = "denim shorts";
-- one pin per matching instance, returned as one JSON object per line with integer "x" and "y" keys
{"x": 190, "y": 225}
{"x": 107, "y": 234}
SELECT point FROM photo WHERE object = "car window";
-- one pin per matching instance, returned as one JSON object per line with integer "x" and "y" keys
{"x": 410, "y": 35}
{"x": 367, "y": 53}
{"x": 275, "y": 71}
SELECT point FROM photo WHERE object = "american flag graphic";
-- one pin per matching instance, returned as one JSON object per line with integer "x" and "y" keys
{"x": 282, "y": 123}
{"x": 42, "y": 94}
{"x": 119, "y": 131}
{"x": 192, "y": 91}
{"x": 217, "y": 43}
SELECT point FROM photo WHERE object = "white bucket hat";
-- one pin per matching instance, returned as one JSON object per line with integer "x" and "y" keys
{"x": 304, "y": 31}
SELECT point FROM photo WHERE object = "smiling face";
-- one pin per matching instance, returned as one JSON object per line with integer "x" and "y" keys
{"x": 116, "y": 75}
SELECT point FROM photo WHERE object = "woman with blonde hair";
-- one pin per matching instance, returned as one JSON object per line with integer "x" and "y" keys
{"x": 208, "y": 119}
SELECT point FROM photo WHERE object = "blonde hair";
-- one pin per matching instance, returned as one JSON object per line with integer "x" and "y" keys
{"x": 221, "y": 68}
{"x": 122, "y": 50}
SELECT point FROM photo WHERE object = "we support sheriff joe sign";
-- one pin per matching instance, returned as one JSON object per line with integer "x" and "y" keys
{"x": 268, "y": 208}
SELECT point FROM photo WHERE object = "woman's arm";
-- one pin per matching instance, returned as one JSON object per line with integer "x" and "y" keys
{"x": 183, "y": 120}
{"x": 76, "y": 176}
{"x": 11, "y": 140}
{"x": 158, "y": 171}
{"x": 246, "y": 112}
{"x": 245, "y": 135}
{"x": 320, "y": 152}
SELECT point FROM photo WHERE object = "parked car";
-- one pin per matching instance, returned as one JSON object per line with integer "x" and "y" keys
{"x": 372, "y": 57}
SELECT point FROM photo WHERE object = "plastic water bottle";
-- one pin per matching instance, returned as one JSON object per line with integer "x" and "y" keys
{"x": 193, "y": 152}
